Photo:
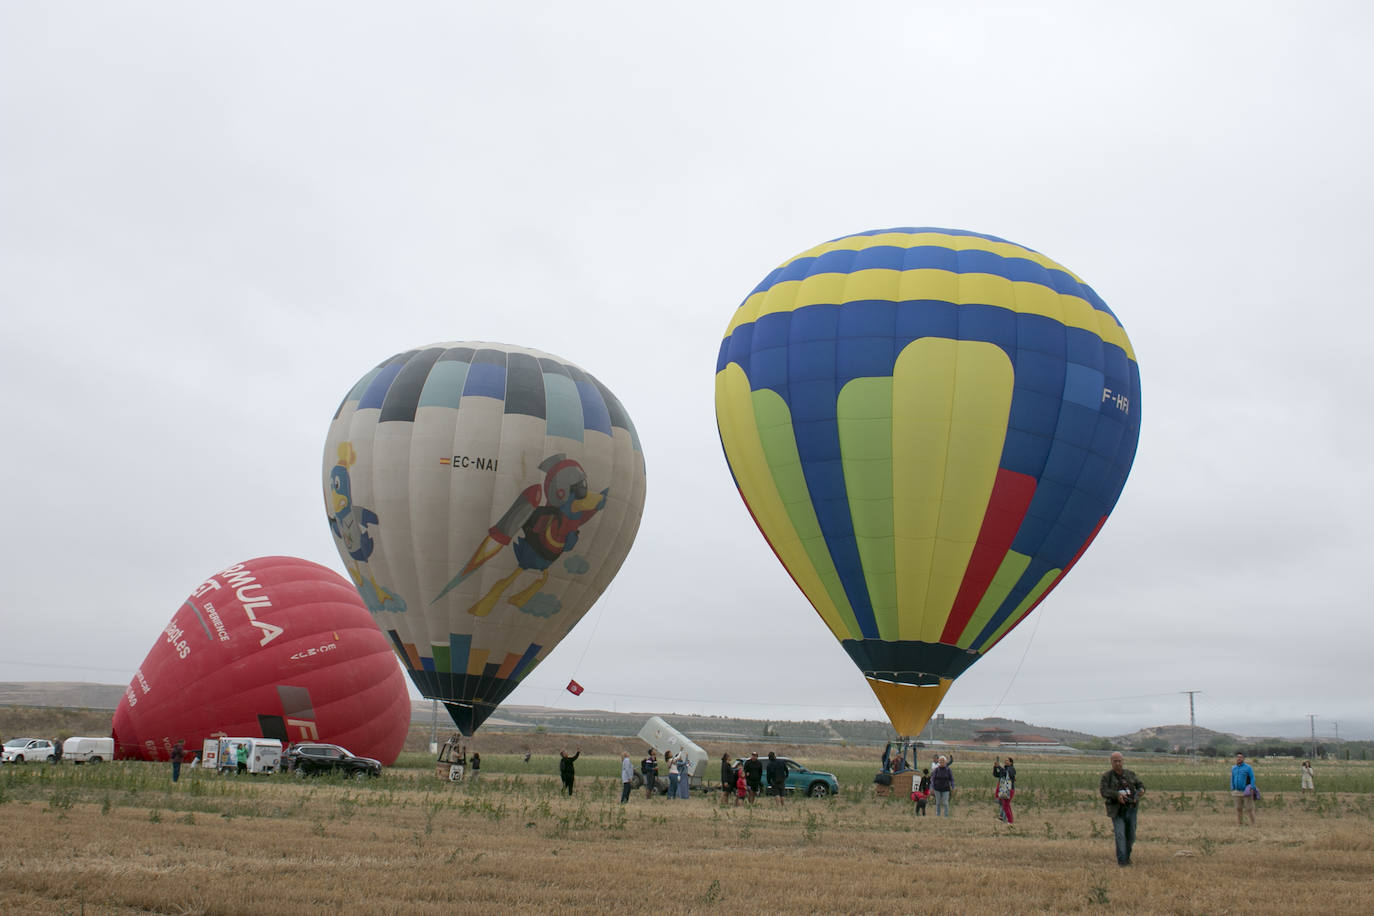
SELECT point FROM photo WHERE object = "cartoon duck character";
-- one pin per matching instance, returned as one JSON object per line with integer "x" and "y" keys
{"x": 351, "y": 525}
{"x": 543, "y": 521}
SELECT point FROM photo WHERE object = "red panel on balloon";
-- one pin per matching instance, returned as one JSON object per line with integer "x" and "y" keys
{"x": 275, "y": 647}
{"x": 1010, "y": 498}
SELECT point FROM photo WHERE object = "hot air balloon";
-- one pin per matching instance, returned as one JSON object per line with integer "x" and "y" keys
{"x": 929, "y": 427}
{"x": 275, "y": 647}
{"x": 482, "y": 497}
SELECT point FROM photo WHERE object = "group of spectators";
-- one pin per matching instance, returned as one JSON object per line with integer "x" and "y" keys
{"x": 744, "y": 780}
{"x": 678, "y": 767}
{"x": 1119, "y": 787}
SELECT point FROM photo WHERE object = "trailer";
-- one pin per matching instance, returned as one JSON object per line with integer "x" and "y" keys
{"x": 88, "y": 750}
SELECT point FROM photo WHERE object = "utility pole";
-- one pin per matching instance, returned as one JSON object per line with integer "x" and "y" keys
{"x": 1192, "y": 727}
{"x": 1312, "y": 725}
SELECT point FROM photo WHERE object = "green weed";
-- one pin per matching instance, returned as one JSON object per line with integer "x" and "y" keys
{"x": 61, "y": 800}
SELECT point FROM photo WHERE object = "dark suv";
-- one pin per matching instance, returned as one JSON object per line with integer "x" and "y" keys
{"x": 312, "y": 759}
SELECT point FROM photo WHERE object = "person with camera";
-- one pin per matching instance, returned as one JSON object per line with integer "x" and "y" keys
{"x": 1005, "y": 774}
{"x": 1121, "y": 789}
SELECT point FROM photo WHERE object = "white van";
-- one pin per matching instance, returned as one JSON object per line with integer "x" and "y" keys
{"x": 263, "y": 754}
{"x": 88, "y": 750}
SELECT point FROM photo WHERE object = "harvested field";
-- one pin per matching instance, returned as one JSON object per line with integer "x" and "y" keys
{"x": 121, "y": 838}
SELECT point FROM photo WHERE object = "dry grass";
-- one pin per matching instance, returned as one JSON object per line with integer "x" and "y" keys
{"x": 126, "y": 842}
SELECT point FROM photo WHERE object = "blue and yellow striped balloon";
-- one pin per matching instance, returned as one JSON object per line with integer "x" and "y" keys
{"x": 929, "y": 426}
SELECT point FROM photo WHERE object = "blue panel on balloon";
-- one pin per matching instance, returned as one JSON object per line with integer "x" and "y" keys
{"x": 814, "y": 322}
{"x": 926, "y": 318}
{"x": 863, "y": 357}
{"x": 1039, "y": 372}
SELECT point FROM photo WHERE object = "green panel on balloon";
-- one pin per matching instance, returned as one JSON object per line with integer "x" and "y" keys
{"x": 780, "y": 450}
{"x": 864, "y": 420}
{"x": 1045, "y": 584}
{"x": 1005, "y": 579}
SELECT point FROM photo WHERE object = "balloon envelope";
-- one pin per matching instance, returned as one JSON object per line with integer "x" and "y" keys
{"x": 929, "y": 426}
{"x": 274, "y": 647}
{"x": 482, "y": 497}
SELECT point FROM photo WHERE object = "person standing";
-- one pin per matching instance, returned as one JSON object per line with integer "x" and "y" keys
{"x": 1307, "y": 784}
{"x": 727, "y": 779}
{"x": 1006, "y": 787}
{"x": 627, "y": 776}
{"x": 649, "y": 770}
{"x": 1121, "y": 789}
{"x": 753, "y": 776}
{"x": 241, "y": 755}
{"x": 674, "y": 773}
{"x": 178, "y": 755}
{"x": 566, "y": 770}
{"x": 776, "y": 771}
{"x": 941, "y": 785}
{"x": 476, "y": 765}
{"x": 1243, "y": 790}
{"x": 684, "y": 775}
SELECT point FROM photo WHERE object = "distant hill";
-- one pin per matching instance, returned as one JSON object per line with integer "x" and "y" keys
{"x": 1177, "y": 736}
{"x": 104, "y": 698}
{"x": 61, "y": 693}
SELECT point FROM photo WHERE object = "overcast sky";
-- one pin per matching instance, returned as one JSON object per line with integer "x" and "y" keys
{"x": 215, "y": 217}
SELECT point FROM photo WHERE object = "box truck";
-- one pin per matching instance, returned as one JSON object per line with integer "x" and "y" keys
{"x": 263, "y": 754}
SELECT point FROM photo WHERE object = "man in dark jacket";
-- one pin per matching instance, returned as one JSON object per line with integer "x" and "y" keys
{"x": 942, "y": 784}
{"x": 753, "y": 776}
{"x": 565, "y": 768}
{"x": 1121, "y": 789}
{"x": 177, "y": 756}
{"x": 776, "y": 771}
{"x": 649, "y": 770}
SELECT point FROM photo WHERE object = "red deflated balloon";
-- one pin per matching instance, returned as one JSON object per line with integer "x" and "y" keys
{"x": 275, "y": 647}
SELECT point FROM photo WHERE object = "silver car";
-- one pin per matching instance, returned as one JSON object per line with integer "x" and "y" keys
{"x": 22, "y": 750}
